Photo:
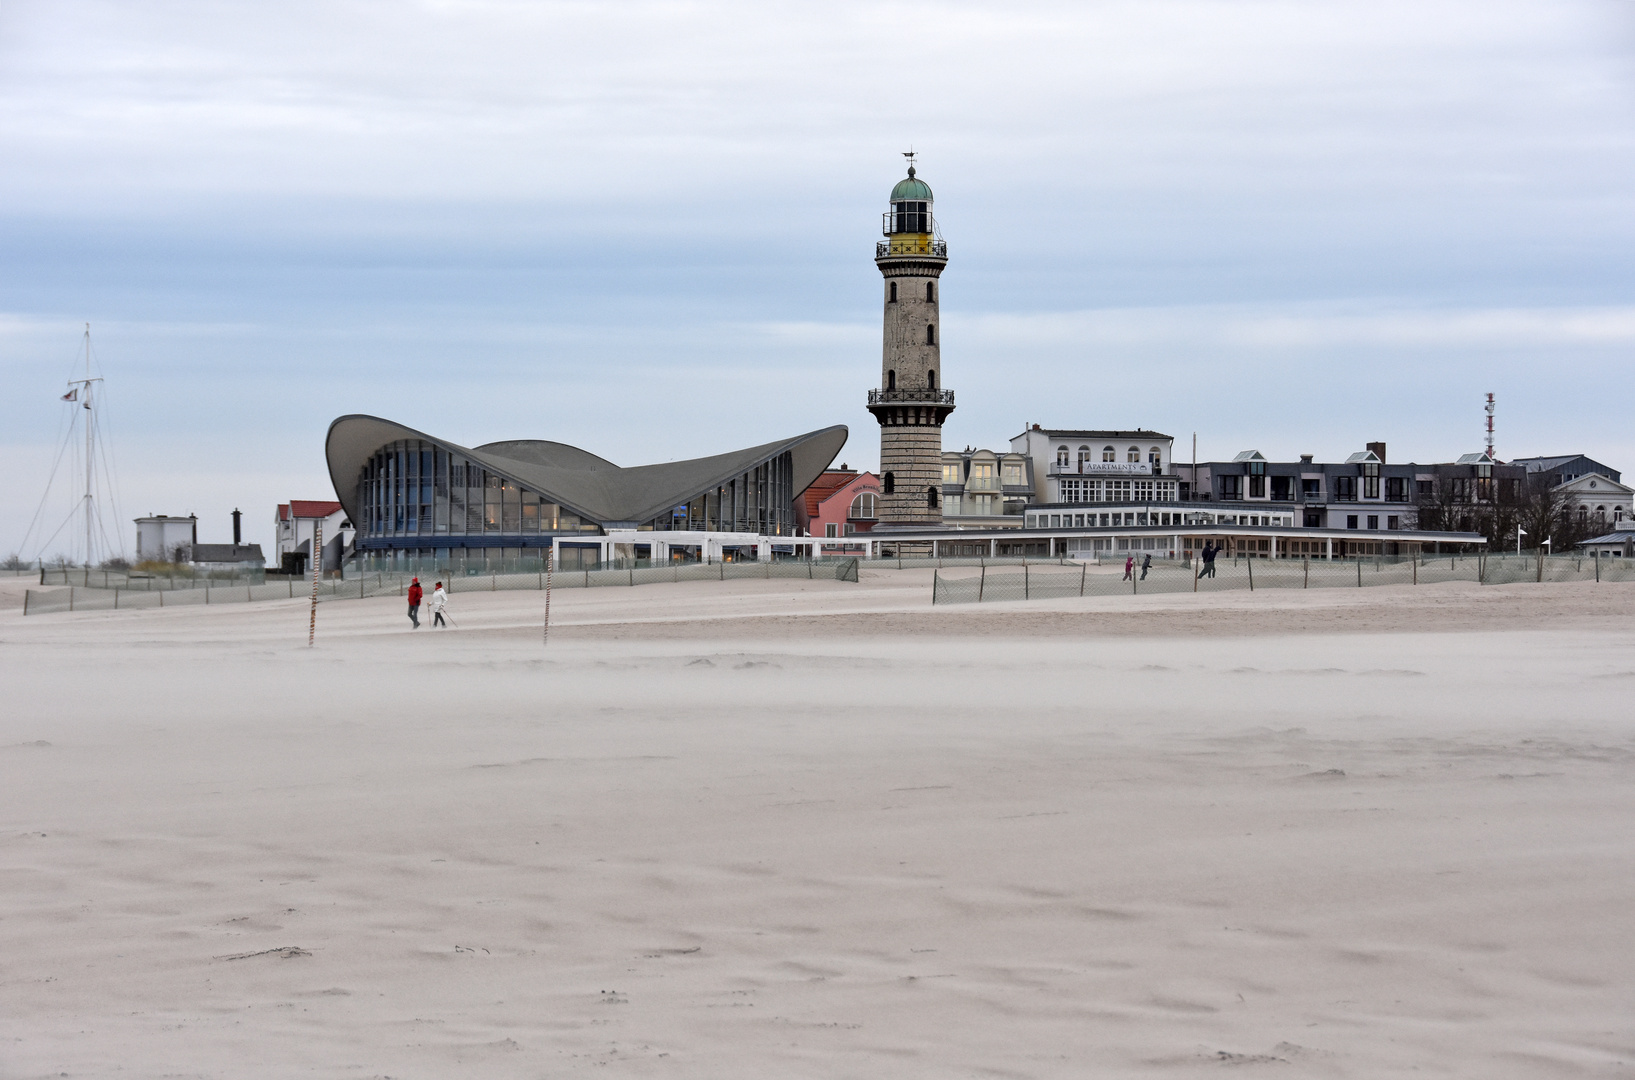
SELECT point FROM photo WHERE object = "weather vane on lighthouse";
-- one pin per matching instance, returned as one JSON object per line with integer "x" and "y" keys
{"x": 909, "y": 154}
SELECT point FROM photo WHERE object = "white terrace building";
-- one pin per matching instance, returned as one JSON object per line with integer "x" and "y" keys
{"x": 1099, "y": 466}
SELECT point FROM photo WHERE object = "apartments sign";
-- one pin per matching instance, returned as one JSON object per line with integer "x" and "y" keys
{"x": 1106, "y": 468}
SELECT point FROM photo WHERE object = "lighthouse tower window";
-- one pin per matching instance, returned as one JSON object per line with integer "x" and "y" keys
{"x": 891, "y": 380}
{"x": 888, "y": 483}
{"x": 893, "y": 295}
{"x": 930, "y": 334}
{"x": 912, "y": 217}
{"x": 931, "y": 292}
{"x": 931, "y": 379}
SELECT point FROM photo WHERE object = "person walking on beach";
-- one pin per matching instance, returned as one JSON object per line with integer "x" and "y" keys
{"x": 1210, "y": 551}
{"x": 1129, "y": 568}
{"x": 439, "y": 599}
{"x": 1146, "y": 564}
{"x": 414, "y": 602}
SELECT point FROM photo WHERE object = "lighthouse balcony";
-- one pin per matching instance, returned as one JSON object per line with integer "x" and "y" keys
{"x": 922, "y": 396}
{"x": 910, "y": 245}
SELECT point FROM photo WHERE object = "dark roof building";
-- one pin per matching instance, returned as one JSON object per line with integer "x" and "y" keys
{"x": 228, "y": 556}
{"x": 1565, "y": 467}
{"x": 407, "y": 491}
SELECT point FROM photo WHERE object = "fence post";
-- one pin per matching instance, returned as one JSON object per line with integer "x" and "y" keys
{"x": 1083, "y": 570}
{"x": 25, "y": 602}
{"x": 1597, "y": 570}
{"x": 1416, "y": 571}
{"x": 207, "y": 593}
{"x": 1540, "y": 577}
{"x": 982, "y": 583}
{"x": 116, "y": 599}
{"x": 1305, "y": 561}
{"x": 1359, "y": 573}
{"x": 161, "y": 598}
{"x": 1250, "y": 563}
{"x": 550, "y": 567}
{"x": 1026, "y": 589}
{"x": 494, "y": 582}
{"x": 936, "y": 576}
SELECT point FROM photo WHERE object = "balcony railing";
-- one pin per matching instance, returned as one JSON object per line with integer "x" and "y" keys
{"x": 884, "y": 249}
{"x": 911, "y": 397}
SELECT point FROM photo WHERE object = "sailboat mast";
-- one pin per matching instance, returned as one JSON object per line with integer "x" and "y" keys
{"x": 89, "y": 455}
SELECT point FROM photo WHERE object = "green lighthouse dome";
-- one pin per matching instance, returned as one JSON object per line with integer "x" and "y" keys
{"x": 911, "y": 190}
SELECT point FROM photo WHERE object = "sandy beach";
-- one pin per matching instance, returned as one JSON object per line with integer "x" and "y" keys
{"x": 819, "y": 829}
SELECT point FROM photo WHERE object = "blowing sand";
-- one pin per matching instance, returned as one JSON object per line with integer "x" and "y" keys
{"x": 773, "y": 829}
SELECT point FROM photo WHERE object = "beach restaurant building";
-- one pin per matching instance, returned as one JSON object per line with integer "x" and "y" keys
{"x": 414, "y": 496}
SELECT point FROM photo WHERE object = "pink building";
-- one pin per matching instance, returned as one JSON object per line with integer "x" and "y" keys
{"x": 839, "y": 504}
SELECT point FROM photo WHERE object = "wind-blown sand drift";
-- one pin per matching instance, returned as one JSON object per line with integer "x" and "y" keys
{"x": 768, "y": 829}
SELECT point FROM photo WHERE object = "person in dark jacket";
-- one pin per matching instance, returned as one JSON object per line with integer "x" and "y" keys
{"x": 414, "y": 602}
{"x": 1146, "y": 564}
{"x": 1210, "y": 552}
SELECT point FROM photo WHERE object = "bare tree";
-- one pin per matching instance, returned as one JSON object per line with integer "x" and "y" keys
{"x": 1545, "y": 513}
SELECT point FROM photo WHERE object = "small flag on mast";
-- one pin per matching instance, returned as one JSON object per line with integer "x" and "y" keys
{"x": 72, "y": 395}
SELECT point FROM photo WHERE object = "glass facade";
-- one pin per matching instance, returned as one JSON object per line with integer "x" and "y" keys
{"x": 415, "y": 495}
{"x": 760, "y": 500}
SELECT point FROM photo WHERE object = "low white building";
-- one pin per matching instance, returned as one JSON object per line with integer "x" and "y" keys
{"x": 293, "y": 531}
{"x": 162, "y": 538}
{"x": 1596, "y": 502}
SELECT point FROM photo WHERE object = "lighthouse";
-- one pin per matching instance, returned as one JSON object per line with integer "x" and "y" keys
{"x": 912, "y": 401}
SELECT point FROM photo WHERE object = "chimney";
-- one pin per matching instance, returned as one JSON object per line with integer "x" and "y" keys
{"x": 237, "y": 535}
{"x": 1306, "y": 459}
{"x": 1378, "y": 449}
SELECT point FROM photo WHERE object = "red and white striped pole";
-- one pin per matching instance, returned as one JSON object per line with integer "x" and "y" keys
{"x": 317, "y": 563}
{"x": 550, "y": 568}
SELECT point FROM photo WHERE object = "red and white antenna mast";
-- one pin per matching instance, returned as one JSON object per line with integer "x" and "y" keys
{"x": 1488, "y": 408}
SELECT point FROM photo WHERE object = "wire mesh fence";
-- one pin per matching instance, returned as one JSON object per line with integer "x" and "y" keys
{"x": 1054, "y": 580}
{"x": 80, "y": 598}
{"x": 182, "y": 577}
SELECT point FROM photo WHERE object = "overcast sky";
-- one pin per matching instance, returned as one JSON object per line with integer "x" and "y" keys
{"x": 647, "y": 228}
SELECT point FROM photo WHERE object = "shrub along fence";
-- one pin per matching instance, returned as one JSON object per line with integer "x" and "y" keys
{"x": 1044, "y": 581}
{"x": 78, "y": 598}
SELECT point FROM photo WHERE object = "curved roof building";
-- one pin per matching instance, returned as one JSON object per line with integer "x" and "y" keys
{"x": 407, "y": 491}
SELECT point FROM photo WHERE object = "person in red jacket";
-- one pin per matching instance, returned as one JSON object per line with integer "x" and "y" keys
{"x": 414, "y": 602}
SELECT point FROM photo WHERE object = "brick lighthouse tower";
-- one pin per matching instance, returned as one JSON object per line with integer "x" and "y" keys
{"x": 911, "y": 403}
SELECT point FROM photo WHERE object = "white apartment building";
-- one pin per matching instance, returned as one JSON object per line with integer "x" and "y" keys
{"x": 1071, "y": 466}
